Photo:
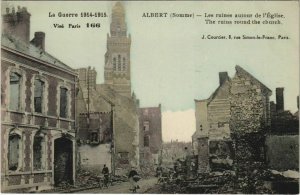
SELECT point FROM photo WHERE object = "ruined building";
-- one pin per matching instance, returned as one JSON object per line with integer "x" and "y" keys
{"x": 171, "y": 151}
{"x": 282, "y": 142}
{"x": 150, "y": 136}
{"x": 37, "y": 110}
{"x": 111, "y": 104}
{"x": 94, "y": 137}
{"x": 232, "y": 122}
{"x": 283, "y": 121}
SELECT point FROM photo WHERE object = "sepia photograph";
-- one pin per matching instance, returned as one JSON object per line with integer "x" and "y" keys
{"x": 157, "y": 97}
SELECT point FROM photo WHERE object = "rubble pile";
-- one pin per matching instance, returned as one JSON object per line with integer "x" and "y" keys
{"x": 86, "y": 180}
{"x": 147, "y": 170}
{"x": 119, "y": 178}
{"x": 90, "y": 179}
{"x": 252, "y": 178}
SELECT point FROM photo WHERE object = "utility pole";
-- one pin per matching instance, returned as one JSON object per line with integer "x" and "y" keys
{"x": 113, "y": 148}
{"x": 112, "y": 140}
{"x": 88, "y": 99}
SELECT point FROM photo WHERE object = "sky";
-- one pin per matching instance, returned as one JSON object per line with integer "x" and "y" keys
{"x": 170, "y": 63}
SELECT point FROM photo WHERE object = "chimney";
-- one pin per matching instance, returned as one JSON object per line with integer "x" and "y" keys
{"x": 223, "y": 76}
{"x": 17, "y": 23}
{"x": 279, "y": 99}
{"x": 39, "y": 40}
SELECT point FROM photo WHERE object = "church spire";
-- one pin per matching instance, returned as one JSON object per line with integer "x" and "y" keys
{"x": 117, "y": 57}
{"x": 118, "y": 25}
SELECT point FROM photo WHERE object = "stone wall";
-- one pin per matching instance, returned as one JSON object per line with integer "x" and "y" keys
{"x": 203, "y": 153}
{"x": 249, "y": 102}
{"x": 93, "y": 158}
{"x": 247, "y": 107}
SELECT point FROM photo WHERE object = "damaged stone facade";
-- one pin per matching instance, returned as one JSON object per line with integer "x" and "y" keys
{"x": 250, "y": 104}
{"x": 233, "y": 119}
{"x": 37, "y": 110}
{"x": 121, "y": 128}
{"x": 250, "y": 118}
{"x": 150, "y": 137}
{"x": 114, "y": 97}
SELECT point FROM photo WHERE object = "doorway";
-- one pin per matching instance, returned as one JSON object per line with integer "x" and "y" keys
{"x": 63, "y": 161}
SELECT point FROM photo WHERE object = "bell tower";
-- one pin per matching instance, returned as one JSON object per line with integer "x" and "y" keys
{"x": 117, "y": 57}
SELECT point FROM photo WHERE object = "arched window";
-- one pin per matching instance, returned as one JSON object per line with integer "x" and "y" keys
{"x": 15, "y": 88}
{"x": 124, "y": 63}
{"x": 63, "y": 102}
{"x": 14, "y": 146}
{"x": 39, "y": 151}
{"x": 119, "y": 62}
{"x": 38, "y": 95}
{"x": 114, "y": 63}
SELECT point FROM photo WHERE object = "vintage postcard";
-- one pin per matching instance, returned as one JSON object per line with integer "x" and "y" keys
{"x": 150, "y": 97}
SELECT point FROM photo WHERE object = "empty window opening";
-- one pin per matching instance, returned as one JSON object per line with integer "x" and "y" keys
{"x": 14, "y": 144}
{"x": 146, "y": 126}
{"x": 15, "y": 86}
{"x": 63, "y": 102}
{"x": 38, "y": 151}
{"x": 94, "y": 138}
{"x": 38, "y": 95}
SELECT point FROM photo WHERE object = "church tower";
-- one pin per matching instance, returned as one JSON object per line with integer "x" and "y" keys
{"x": 117, "y": 57}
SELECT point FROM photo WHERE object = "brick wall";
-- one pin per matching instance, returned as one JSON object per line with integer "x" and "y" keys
{"x": 27, "y": 151}
{"x": 17, "y": 22}
{"x": 24, "y": 63}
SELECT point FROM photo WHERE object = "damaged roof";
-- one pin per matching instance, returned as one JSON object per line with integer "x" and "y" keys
{"x": 18, "y": 45}
{"x": 240, "y": 70}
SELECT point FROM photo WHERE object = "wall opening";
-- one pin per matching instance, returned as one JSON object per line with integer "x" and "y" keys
{"x": 63, "y": 161}
{"x": 15, "y": 87}
{"x": 38, "y": 95}
{"x": 39, "y": 151}
{"x": 63, "y": 102}
{"x": 14, "y": 145}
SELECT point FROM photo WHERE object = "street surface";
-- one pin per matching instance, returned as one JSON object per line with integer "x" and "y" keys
{"x": 145, "y": 184}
